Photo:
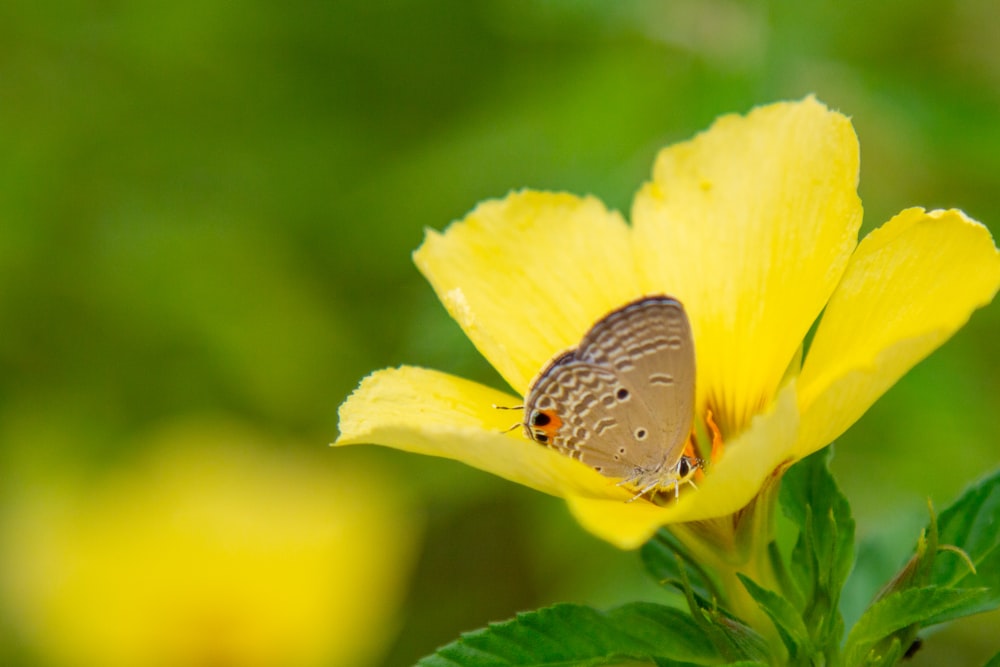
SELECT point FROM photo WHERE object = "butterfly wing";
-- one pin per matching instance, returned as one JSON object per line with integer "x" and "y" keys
{"x": 648, "y": 346}
{"x": 623, "y": 401}
{"x": 571, "y": 408}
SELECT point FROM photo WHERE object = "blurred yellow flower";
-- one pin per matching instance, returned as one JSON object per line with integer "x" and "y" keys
{"x": 753, "y": 226}
{"x": 215, "y": 550}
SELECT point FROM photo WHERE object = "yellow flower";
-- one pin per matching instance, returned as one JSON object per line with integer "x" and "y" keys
{"x": 216, "y": 549}
{"x": 753, "y": 226}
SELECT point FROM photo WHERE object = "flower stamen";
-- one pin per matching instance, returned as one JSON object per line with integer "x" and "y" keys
{"x": 717, "y": 445}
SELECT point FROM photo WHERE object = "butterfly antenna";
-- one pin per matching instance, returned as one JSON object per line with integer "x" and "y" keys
{"x": 509, "y": 407}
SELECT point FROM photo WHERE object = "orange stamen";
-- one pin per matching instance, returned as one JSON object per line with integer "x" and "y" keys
{"x": 717, "y": 446}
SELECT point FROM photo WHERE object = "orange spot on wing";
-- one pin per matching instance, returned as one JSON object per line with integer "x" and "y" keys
{"x": 550, "y": 429}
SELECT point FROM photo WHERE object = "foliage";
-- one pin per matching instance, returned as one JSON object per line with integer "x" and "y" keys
{"x": 951, "y": 574}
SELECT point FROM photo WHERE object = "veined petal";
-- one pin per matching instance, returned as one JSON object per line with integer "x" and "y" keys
{"x": 527, "y": 275}
{"x": 428, "y": 412}
{"x": 909, "y": 286}
{"x": 750, "y": 225}
{"x": 729, "y": 486}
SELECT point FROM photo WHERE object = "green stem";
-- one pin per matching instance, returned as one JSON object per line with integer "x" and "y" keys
{"x": 740, "y": 544}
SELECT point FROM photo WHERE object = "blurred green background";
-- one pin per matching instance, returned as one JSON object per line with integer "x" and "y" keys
{"x": 207, "y": 210}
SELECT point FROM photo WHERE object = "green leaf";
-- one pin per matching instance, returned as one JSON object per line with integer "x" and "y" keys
{"x": 878, "y": 557}
{"x": 889, "y": 654}
{"x": 959, "y": 553}
{"x": 660, "y": 662}
{"x": 733, "y": 639}
{"x": 970, "y": 524}
{"x": 569, "y": 634}
{"x": 916, "y": 572}
{"x": 803, "y": 567}
{"x": 899, "y": 615}
{"x": 809, "y": 493}
{"x": 786, "y": 619}
{"x": 994, "y": 661}
{"x": 824, "y": 553}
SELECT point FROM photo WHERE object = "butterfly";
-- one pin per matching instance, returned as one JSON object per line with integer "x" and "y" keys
{"x": 622, "y": 401}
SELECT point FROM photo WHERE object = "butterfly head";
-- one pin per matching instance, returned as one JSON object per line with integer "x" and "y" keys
{"x": 665, "y": 478}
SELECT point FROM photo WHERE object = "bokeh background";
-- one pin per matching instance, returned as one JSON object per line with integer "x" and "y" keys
{"x": 207, "y": 211}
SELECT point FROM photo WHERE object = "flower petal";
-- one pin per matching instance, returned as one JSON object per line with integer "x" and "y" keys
{"x": 909, "y": 286}
{"x": 750, "y": 225}
{"x": 728, "y": 487}
{"x": 428, "y": 412}
{"x": 526, "y": 276}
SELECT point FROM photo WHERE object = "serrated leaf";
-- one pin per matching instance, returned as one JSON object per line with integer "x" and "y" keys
{"x": 786, "y": 618}
{"x": 972, "y": 524}
{"x": 900, "y": 614}
{"x": 569, "y": 634}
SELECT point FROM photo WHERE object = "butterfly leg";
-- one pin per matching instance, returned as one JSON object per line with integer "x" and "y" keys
{"x": 646, "y": 489}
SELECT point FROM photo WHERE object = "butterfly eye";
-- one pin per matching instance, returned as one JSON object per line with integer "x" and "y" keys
{"x": 541, "y": 437}
{"x": 683, "y": 467}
